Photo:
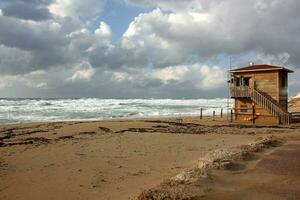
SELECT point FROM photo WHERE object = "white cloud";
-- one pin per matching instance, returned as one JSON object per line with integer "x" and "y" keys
{"x": 78, "y": 33}
{"x": 30, "y": 80}
{"x": 203, "y": 77}
{"x": 121, "y": 76}
{"x": 103, "y": 31}
{"x": 6, "y": 81}
{"x": 200, "y": 77}
{"x": 216, "y": 27}
{"x": 211, "y": 77}
{"x": 171, "y": 73}
{"x": 84, "y": 72}
{"x": 76, "y": 8}
{"x": 279, "y": 59}
{"x": 164, "y": 39}
{"x": 173, "y": 5}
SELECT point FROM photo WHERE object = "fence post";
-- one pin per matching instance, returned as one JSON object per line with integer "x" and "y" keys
{"x": 200, "y": 113}
{"x": 214, "y": 113}
{"x": 231, "y": 115}
{"x": 221, "y": 112}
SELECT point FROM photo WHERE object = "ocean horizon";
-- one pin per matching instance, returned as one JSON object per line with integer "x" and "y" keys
{"x": 22, "y": 110}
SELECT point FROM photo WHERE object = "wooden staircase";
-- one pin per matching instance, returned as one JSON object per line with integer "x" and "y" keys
{"x": 263, "y": 100}
{"x": 270, "y": 105}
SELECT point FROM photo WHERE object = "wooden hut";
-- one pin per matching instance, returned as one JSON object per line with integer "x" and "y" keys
{"x": 261, "y": 94}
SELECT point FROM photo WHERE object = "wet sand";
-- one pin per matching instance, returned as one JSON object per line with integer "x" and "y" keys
{"x": 110, "y": 159}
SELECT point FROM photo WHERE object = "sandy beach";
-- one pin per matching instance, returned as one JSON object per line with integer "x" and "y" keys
{"x": 149, "y": 100}
{"x": 273, "y": 175}
{"x": 115, "y": 159}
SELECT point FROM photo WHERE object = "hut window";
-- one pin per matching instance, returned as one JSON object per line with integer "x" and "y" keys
{"x": 246, "y": 81}
{"x": 244, "y": 108}
{"x": 237, "y": 82}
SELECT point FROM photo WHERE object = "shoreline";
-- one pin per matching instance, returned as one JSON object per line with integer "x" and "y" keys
{"x": 108, "y": 119}
{"x": 166, "y": 117}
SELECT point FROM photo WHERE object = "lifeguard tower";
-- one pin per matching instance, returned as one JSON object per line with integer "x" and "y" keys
{"x": 261, "y": 94}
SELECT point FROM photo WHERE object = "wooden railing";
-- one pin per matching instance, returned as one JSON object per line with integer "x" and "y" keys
{"x": 274, "y": 108}
{"x": 240, "y": 92}
{"x": 261, "y": 99}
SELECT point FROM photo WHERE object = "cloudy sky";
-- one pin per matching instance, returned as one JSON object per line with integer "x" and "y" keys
{"x": 141, "y": 48}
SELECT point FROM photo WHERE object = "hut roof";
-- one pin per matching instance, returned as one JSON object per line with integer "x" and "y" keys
{"x": 253, "y": 68}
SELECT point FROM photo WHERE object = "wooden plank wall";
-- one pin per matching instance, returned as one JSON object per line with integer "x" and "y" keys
{"x": 283, "y": 94}
{"x": 262, "y": 115}
{"x": 267, "y": 82}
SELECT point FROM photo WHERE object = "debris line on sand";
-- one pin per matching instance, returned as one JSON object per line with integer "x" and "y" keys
{"x": 186, "y": 185}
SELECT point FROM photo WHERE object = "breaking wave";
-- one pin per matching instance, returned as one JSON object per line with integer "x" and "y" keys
{"x": 29, "y": 110}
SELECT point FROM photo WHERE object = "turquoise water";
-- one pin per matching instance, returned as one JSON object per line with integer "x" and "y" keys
{"x": 30, "y": 110}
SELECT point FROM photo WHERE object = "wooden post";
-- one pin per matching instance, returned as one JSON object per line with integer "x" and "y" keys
{"x": 236, "y": 113}
{"x": 214, "y": 113}
{"x": 231, "y": 115}
{"x": 221, "y": 112}
{"x": 201, "y": 113}
{"x": 253, "y": 114}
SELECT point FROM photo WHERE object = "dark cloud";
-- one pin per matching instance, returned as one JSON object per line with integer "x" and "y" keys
{"x": 14, "y": 60}
{"x": 29, "y": 10}
{"x": 28, "y": 36}
{"x": 45, "y": 43}
{"x": 25, "y": 11}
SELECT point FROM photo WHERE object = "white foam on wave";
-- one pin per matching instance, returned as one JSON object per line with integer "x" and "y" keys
{"x": 28, "y": 110}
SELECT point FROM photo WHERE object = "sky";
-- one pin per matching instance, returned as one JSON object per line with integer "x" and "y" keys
{"x": 141, "y": 48}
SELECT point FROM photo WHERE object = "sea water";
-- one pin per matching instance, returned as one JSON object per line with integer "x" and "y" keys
{"x": 33, "y": 110}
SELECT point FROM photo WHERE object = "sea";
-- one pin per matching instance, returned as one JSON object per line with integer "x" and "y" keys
{"x": 40, "y": 110}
